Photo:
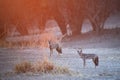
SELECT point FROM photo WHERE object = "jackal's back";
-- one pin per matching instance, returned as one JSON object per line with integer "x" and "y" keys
{"x": 88, "y": 56}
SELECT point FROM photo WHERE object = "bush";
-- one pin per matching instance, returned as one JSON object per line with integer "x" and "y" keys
{"x": 23, "y": 67}
{"x": 44, "y": 66}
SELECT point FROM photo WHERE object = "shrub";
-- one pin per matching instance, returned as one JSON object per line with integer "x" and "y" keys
{"x": 61, "y": 70}
{"x": 44, "y": 66}
{"x": 23, "y": 67}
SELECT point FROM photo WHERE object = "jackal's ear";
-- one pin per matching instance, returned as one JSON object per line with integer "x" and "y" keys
{"x": 49, "y": 41}
{"x": 81, "y": 51}
{"x": 78, "y": 51}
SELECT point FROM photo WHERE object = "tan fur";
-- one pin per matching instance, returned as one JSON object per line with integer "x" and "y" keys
{"x": 85, "y": 56}
{"x": 56, "y": 45}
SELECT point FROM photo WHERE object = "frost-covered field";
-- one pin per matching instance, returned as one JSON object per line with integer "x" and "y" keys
{"x": 108, "y": 69}
{"x": 106, "y": 46}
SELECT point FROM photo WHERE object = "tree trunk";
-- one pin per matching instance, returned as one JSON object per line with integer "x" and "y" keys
{"x": 61, "y": 22}
{"x": 78, "y": 28}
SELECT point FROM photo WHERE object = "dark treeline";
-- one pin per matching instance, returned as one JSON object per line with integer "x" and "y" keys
{"x": 25, "y": 13}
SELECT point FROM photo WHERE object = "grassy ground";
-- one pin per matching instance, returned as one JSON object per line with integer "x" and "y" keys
{"x": 106, "y": 46}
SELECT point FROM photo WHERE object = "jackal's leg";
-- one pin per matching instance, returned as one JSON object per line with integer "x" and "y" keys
{"x": 94, "y": 61}
{"x": 51, "y": 52}
{"x": 84, "y": 62}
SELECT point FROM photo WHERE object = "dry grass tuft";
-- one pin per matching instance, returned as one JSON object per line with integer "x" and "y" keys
{"x": 61, "y": 70}
{"x": 4, "y": 43}
{"x": 44, "y": 66}
{"x": 23, "y": 67}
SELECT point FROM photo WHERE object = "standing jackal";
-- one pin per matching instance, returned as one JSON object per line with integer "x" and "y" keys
{"x": 56, "y": 45}
{"x": 84, "y": 56}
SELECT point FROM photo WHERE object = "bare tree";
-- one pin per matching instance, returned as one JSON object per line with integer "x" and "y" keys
{"x": 98, "y": 11}
{"x": 76, "y": 15}
{"x": 23, "y": 12}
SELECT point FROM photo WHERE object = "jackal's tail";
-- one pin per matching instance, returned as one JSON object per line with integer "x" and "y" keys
{"x": 59, "y": 50}
{"x": 96, "y": 61}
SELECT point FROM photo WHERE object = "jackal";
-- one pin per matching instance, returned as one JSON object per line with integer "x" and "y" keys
{"x": 56, "y": 45}
{"x": 84, "y": 56}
